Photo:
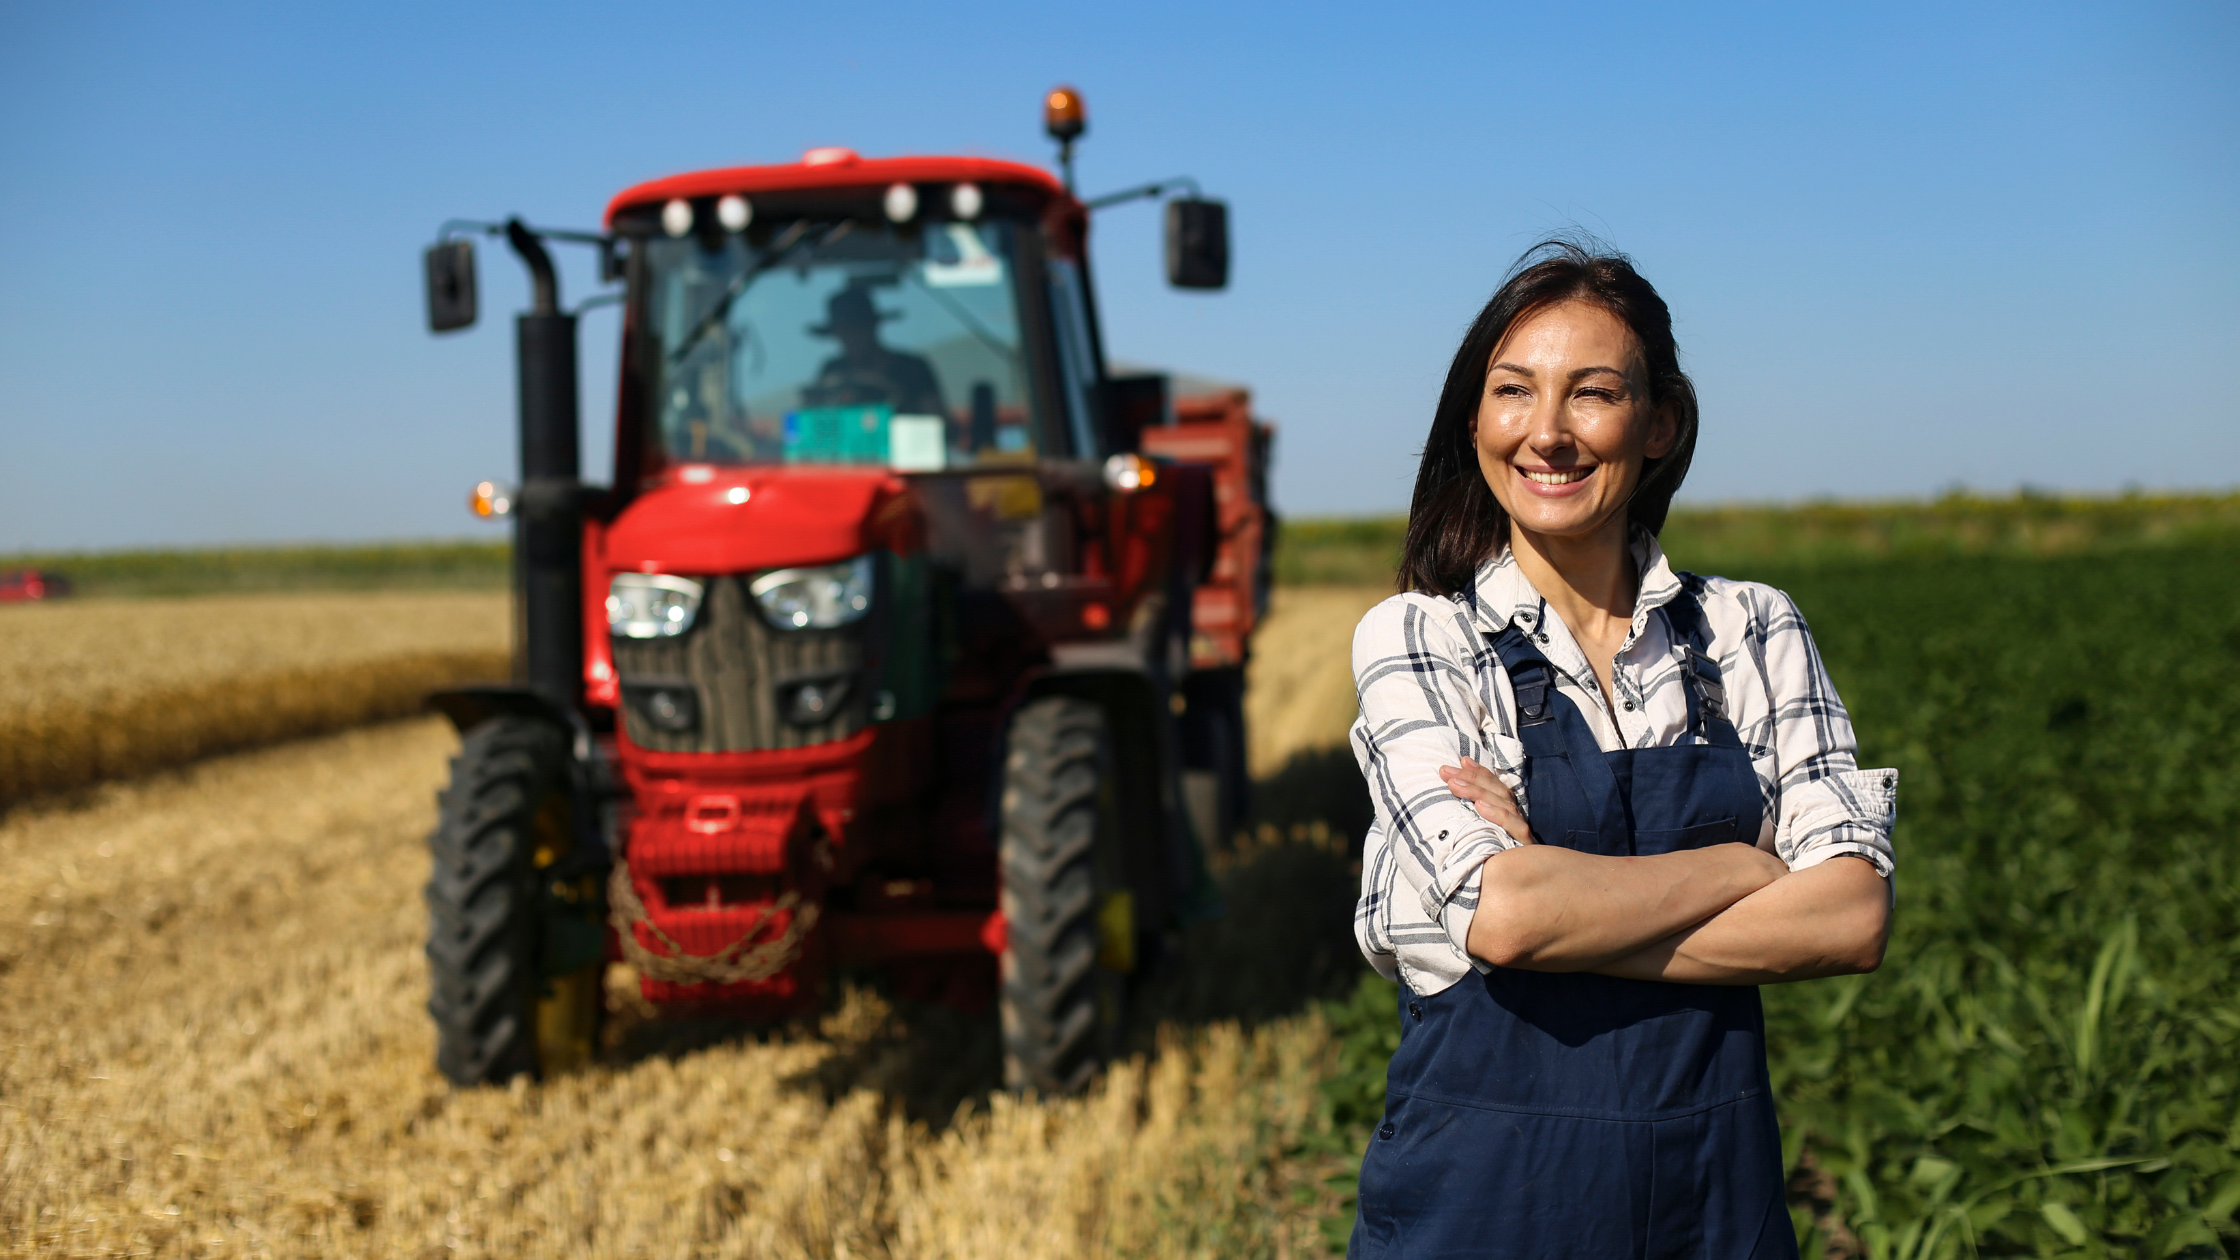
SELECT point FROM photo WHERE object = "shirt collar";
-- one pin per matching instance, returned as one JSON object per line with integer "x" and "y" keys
{"x": 1501, "y": 593}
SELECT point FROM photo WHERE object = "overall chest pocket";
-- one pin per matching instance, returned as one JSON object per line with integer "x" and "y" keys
{"x": 1645, "y": 843}
{"x": 1700, "y": 836}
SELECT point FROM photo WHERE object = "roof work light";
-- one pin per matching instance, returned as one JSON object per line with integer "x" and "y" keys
{"x": 1065, "y": 118}
{"x": 1063, "y": 114}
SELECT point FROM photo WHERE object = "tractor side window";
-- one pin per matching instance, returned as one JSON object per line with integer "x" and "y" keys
{"x": 837, "y": 343}
{"x": 1077, "y": 356}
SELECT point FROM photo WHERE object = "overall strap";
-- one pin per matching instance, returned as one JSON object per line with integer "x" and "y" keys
{"x": 1532, "y": 679}
{"x": 1701, "y": 679}
{"x": 1543, "y": 714}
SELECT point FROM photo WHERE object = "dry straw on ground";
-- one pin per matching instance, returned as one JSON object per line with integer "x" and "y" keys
{"x": 98, "y": 689}
{"x": 212, "y": 1043}
{"x": 1301, "y": 695}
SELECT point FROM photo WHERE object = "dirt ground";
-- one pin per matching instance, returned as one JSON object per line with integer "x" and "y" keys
{"x": 212, "y": 1043}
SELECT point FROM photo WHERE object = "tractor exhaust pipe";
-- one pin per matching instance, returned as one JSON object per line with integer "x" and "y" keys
{"x": 548, "y": 525}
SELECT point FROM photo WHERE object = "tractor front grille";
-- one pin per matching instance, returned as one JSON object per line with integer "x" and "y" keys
{"x": 733, "y": 682}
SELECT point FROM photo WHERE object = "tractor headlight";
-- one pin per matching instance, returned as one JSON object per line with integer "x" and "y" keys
{"x": 819, "y": 599}
{"x": 651, "y": 605}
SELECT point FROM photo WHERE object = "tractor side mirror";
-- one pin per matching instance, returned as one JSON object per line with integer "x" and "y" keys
{"x": 1197, "y": 243}
{"x": 451, "y": 291}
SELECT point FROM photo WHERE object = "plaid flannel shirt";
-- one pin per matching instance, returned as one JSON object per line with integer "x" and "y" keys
{"x": 1433, "y": 691}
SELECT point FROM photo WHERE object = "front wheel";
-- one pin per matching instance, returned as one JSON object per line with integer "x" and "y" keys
{"x": 515, "y": 952}
{"x": 1069, "y": 920}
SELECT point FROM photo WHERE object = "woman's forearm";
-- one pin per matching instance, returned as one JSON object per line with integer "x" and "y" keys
{"x": 1826, "y": 920}
{"x": 1545, "y": 908}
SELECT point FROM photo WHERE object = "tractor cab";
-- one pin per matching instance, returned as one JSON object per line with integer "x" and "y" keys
{"x": 884, "y": 320}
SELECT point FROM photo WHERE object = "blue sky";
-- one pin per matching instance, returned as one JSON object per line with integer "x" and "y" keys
{"x": 1908, "y": 246}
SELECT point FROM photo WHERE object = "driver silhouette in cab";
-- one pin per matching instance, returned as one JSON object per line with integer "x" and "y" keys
{"x": 867, "y": 371}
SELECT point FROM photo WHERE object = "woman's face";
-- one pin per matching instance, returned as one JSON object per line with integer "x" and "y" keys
{"x": 1566, "y": 421}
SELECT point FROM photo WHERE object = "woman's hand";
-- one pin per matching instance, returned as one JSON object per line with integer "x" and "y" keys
{"x": 1489, "y": 796}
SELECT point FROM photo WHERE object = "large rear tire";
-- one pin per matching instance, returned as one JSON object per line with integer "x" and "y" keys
{"x": 515, "y": 955}
{"x": 1068, "y": 916}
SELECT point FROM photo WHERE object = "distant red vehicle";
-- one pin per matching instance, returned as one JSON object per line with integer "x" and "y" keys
{"x": 25, "y": 585}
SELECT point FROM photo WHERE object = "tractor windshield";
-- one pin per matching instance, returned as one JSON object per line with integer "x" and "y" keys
{"x": 837, "y": 342}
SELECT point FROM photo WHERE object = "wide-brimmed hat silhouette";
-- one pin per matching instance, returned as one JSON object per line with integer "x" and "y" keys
{"x": 850, "y": 307}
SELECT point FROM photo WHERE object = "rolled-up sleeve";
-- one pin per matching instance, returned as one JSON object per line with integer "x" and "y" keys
{"x": 1852, "y": 812}
{"x": 1421, "y": 709}
{"x": 1825, "y": 806}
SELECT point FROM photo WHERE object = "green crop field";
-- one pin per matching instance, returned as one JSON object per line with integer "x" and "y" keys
{"x": 1737, "y": 538}
{"x": 2047, "y": 1063}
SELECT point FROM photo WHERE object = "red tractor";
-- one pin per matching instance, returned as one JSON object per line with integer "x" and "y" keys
{"x": 26, "y": 585}
{"x": 906, "y": 636}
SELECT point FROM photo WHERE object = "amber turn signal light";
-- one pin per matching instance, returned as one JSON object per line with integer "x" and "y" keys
{"x": 1128, "y": 472}
{"x": 490, "y": 500}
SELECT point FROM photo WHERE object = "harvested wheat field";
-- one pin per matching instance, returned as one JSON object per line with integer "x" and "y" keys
{"x": 94, "y": 689}
{"x": 1300, "y": 696}
{"x": 212, "y": 1043}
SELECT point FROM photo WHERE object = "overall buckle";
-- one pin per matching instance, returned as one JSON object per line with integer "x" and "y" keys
{"x": 1705, "y": 679}
{"x": 1532, "y": 699}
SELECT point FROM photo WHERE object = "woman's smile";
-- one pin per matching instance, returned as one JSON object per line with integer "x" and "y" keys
{"x": 1556, "y": 482}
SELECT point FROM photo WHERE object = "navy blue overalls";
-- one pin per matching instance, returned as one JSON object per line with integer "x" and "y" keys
{"x": 1535, "y": 1114}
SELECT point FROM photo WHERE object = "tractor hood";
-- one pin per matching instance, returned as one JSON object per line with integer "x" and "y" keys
{"x": 706, "y": 519}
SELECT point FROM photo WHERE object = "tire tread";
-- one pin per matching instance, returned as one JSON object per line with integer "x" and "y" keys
{"x": 481, "y": 896}
{"x": 1056, "y": 763}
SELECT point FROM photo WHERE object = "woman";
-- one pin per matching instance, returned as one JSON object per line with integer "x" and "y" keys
{"x": 1611, "y": 800}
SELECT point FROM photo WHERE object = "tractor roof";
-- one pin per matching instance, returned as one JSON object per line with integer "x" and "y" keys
{"x": 833, "y": 168}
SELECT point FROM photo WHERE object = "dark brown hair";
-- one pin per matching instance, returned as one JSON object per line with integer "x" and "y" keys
{"x": 1454, "y": 522}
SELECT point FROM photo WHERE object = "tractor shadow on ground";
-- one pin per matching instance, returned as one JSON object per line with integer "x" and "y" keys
{"x": 1284, "y": 940}
{"x": 1288, "y": 880}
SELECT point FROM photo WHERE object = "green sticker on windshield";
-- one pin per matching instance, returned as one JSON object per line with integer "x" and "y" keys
{"x": 838, "y": 435}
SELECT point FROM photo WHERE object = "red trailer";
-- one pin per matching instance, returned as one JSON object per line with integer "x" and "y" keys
{"x": 905, "y": 635}
{"x": 1213, "y": 427}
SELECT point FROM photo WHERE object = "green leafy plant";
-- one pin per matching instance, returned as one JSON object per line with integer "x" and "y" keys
{"x": 2046, "y": 1063}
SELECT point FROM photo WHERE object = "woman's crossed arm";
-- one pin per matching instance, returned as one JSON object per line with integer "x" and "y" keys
{"x": 1725, "y": 914}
